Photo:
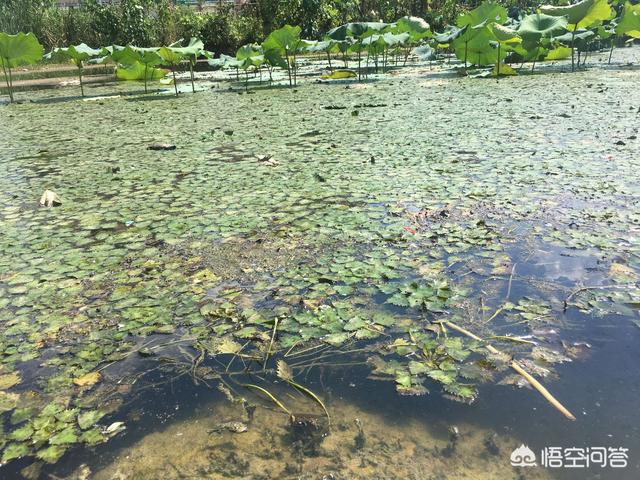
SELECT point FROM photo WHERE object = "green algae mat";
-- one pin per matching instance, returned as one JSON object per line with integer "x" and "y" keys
{"x": 320, "y": 227}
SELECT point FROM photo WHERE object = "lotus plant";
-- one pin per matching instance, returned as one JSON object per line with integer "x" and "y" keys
{"x": 249, "y": 56}
{"x": 536, "y": 29}
{"x": 281, "y": 48}
{"x": 505, "y": 37}
{"x": 580, "y": 15}
{"x": 476, "y": 36}
{"x": 191, "y": 52}
{"x": 78, "y": 55}
{"x": 173, "y": 59}
{"x": 17, "y": 50}
{"x": 140, "y": 63}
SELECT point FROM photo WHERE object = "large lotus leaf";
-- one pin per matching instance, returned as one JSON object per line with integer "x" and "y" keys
{"x": 340, "y": 74}
{"x": 285, "y": 40}
{"x": 142, "y": 50}
{"x": 250, "y": 56}
{"x": 108, "y": 53}
{"x": 147, "y": 56}
{"x": 480, "y": 50}
{"x": 581, "y": 38}
{"x": 558, "y": 53}
{"x": 412, "y": 25}
{"x": 537, "y": 26}
{"x": 150, "y": 58}
{"x": 248, "y": 51}
{"x": 20, "y": 49}
{"x": 136, "y": 71}
{"x": 374, "y": 39}
{"x": 582, "y": 14}
{"x": 629, "y": 24}
{"x": 393, "y": 39}
{"x": 527, "y": 52}
{"x": 124, "y": 55}
{"x": 606, "y": 31}
{"x": 450, "y": 33}
{"x": 339, "y": 33}
{"x": 225, "y": 61}
{"x": 170, "y": 56}
{"x": 425, "y": 52}
{"x": 195, "y": 48}
{"x": 487, "y": 12}
{"x": 275, "y": 58}
{"x": 416, "y": 27}
{"x": 600, "y": 11}
{"x": 355, "y": 29}
{"x": 78, "y": 54}
{"x": 505, "y": 70}
{"x": 470, "y": 33}
{"x": 321, "y": 46}
{"x": 504, "y": 34}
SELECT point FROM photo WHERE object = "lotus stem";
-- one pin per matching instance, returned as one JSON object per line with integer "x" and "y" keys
{"x": 466, "y": 48}
{"x": 9, "y": 85}
{"x": 193, "y": 87}
{"x": 498, "y": 64}
{"x": 175, "y": 83}
{"x": 286, "y": 53}
{"x": 80, "y": 78}
{"x": 573, "y": 48}
{"x": 146, "y": 66}
{"x": 611, "y": 50}
{"x": 516, "y": 366}
{"x": 366, "y": 65}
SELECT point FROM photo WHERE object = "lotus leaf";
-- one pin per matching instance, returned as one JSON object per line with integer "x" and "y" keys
{"x": 582, "y": 14}
{"x": 534, "y": 28}
{"x": 629, "y": 23}
{"x": 558, "y": 53}
{"x": 488, "y": 12}
{"x": 340, "y": 74}
{"x": 280, "y": 48}
{"x": 17, "y": 50}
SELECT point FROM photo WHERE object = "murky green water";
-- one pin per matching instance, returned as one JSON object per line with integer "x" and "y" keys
{"x": 330, "y": 227}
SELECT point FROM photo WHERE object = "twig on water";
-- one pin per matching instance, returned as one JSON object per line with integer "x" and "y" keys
{"x": 518, "y": 368}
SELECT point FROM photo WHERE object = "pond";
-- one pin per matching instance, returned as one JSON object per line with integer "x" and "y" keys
{"x": 285, "y": 294}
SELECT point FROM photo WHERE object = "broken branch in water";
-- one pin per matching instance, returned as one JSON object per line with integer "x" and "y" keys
{"x": 518, "y": 368}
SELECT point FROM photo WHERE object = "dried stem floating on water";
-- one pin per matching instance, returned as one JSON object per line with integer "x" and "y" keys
{"x": 518, "y": 368}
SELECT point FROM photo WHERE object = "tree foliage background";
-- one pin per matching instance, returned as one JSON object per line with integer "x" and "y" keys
{"x": 223, "y": 28}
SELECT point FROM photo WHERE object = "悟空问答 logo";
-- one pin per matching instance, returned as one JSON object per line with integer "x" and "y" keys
{"x": 523, "y": 456}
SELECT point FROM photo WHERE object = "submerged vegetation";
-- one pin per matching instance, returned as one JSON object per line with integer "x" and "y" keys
{"x": 262, "y": 246}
